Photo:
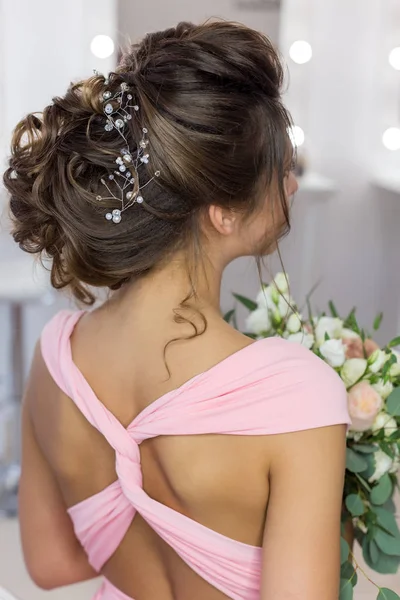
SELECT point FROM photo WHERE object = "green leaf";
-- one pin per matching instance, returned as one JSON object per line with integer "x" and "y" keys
{"x": 363, "y": 482}
{"x": 354, "y": 462}
{"x": 386, "y": 565}
{"x": 228, "y": 316}
{"x": 387, "y": 543}
{"x": 370, "y": 470}
{"x": 374, "y": 551}
{"x": 395, "y": 436}
{"x": 390, "y": 506}
{"x": 344, "y": 551}
{"x": 393, "y": 403}
{"x": 378, "y": 321}
{"x": 394, "y": 342}
{"x": 386, "y": 594}
{"x": 365, "y": 448}
{"x": 355, "y": 505}
{"x": 333, "y": 310}
{"x": 382, "y": 491}
{"x": 250, "y": 304}
{"x": 346, "y": 590}
{"x": 347, "y": 571}
{"x": 387, "y": 520}
{"x": 388, "y": 364}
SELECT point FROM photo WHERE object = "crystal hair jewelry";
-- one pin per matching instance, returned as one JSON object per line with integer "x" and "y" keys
{"x": 123, "y": 184}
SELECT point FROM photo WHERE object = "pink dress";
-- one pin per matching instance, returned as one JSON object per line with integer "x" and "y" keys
{"x": 269, "y": 387}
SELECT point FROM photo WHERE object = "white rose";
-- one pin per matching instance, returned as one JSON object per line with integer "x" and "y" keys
{"x": 386, "y": 422}
{"x": 258, "y": 321}
{"x": 276, "y": 317}
{"x": 377, "y": 360}
{"x": 293, "y": 324}
{"x": 352, "y": 370}
{"x": 333, "y": 327}
{"x": 349, "y": 334}
{"x": 281, "y": 281}
{"x": 334, "y": 352}
{"x": 264, "y": 298}
{"x": 305, "y": 339}
{"x": 395, "y": 369}
{"x": 285, "y": 304}
{"x": 383, "y": 464}
{"x": 396, "y": 463}
{"x": 383, "y": 389}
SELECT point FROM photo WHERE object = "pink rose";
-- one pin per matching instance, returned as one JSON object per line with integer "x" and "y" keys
{"x": 364, "y": 404}
{"x": 354, "y": 347}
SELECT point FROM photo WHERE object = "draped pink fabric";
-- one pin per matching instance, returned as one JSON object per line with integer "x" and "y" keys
{"x": 269, "y": 387}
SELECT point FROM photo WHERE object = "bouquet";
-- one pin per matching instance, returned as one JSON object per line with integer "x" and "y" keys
{"x": 372, "y": 379}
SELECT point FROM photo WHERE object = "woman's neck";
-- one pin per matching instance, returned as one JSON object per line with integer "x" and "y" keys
{"x": 161, "y": 292}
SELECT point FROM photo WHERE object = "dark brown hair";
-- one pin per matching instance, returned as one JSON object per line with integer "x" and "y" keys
{"x": 209, "y": 96}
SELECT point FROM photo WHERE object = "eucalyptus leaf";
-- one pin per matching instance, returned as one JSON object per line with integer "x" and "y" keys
{"x": 370, "y": 470}
{"x": 387, "y": 543}
{"x": 363, "y": 482}
{"x": 344, "y": 551}
{"x": 387, "y": 520}
{"x": 365, "y": 448}
{"x": 354, "y": 462}
{"x": 374, "y": 551}
{"x": 250, "y": 304}
{"x": 386, "y": 594}
{"x": 386, "y": 565}
{"x": 390, "y": 506}
{"x": 355, "y": 505}
{"x": 393, "y": 403}
{"x": 346, "y": 590}
{"x": 348, "y": 571}
{"x": 382, "y": 491}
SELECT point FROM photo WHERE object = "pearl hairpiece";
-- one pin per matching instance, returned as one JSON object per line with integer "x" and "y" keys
{"x": 123, "y": 185}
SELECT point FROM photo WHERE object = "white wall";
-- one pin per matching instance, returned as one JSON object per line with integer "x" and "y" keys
{"x": 44, "y": 45}
{"x": 344, "y": 99}
{"x": 138, "y": 18}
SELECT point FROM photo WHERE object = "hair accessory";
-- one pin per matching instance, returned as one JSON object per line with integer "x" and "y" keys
{"x": 123, "y": 184}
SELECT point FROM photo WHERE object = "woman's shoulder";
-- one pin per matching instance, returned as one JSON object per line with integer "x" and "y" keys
{"x": 281, "y": 386}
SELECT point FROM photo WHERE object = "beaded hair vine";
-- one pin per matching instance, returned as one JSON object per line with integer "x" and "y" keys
{"x": 123, "y": 183}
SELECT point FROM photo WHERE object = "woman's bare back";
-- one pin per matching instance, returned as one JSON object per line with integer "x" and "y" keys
{"x": 219, "y": 481}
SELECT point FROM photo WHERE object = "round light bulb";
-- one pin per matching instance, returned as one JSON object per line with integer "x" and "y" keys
{"x": 102, "y": 46}
{"x": 391, "y": 138}
{"x": 296, "y": 135}
{"x": 300, "y": 52}
{"x": 394, "y": 58}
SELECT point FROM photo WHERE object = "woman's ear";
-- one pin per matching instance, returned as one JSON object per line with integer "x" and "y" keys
{"x": 222, "y": 219}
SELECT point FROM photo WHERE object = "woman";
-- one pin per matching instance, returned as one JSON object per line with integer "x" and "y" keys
{"x": 162, "y": 448}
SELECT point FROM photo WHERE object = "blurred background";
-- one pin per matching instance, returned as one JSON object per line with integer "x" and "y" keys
{"x": 343, "y": 89}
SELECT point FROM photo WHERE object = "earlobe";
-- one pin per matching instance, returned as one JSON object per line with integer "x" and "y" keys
{"x": 222, "y": 220}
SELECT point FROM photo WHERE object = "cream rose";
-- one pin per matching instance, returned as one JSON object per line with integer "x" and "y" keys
{"x": 293, "y": 324}
{"x": 352, "y": 370}
{"x": 377, "y": 360}
{"x": 383, "y": 388}
{"x": 334, "y": 352}
{"x": 305, "y": 339}
{"x": 364, "y": 405}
